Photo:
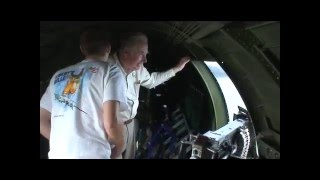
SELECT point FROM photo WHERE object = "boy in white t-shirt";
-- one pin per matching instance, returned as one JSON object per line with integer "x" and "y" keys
{"x": 79, "y": 110}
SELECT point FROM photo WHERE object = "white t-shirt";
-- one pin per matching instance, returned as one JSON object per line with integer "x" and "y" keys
{"x": 75, "y": 98}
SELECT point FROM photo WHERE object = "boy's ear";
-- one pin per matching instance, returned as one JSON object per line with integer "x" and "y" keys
{"x": 82, "y": 50}
{"x": 108, "y": 49}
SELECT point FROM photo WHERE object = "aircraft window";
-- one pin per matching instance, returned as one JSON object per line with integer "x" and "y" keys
{"x": 230, "y": 92}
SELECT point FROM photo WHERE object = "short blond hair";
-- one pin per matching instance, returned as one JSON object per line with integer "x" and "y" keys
{"x": 94, "y": 41}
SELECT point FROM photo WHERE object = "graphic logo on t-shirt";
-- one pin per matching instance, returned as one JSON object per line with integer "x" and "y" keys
{"x": 94, "y": 69}
{"x": 73, "y": 83}
{"x": 68, "y": 86}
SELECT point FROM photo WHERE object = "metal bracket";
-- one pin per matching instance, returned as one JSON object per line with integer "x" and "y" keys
{"x": 252, "y": 44}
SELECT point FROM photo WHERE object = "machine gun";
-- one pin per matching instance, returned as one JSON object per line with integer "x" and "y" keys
{"x": 234, "y": 140}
